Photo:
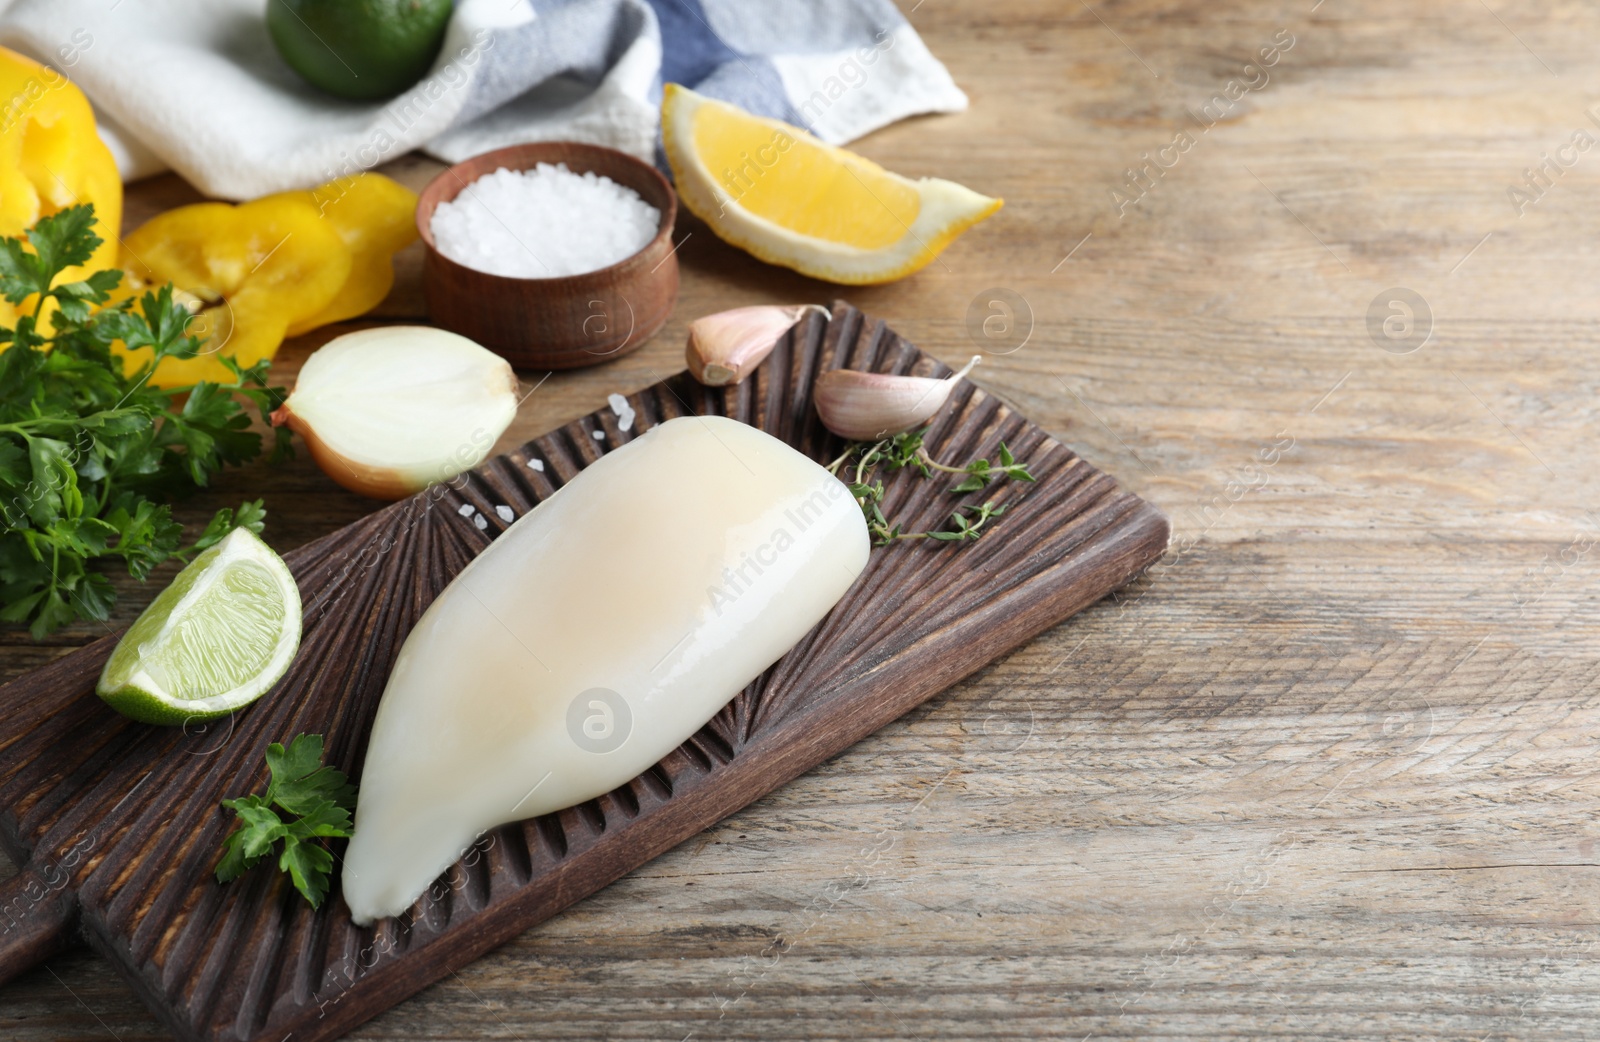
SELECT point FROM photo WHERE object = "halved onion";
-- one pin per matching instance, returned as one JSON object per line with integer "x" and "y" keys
{"x": 387, "y": 412}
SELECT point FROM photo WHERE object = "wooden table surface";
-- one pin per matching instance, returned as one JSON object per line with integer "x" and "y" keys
{"x": 1324, "y": 773}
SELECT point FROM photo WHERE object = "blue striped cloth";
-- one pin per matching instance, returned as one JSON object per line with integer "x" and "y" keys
{"x": 811, "y": 63}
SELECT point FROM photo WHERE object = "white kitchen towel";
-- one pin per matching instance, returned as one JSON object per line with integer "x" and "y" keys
{"x": 197, "y": 86}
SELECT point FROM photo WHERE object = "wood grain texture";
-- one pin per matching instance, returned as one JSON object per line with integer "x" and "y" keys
{"x": 251, "y": 962}
{"x": 1328, "y": 772}
{"x": 38, "y": 913}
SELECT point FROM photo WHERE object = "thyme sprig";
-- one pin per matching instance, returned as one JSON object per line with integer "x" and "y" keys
{"x": 906, "y": 450}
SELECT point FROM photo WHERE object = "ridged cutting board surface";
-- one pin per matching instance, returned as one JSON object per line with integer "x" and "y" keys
{"x": 119, "y": 827}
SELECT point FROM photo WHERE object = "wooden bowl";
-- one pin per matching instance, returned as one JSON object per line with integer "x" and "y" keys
{"x": 558, "y": 323}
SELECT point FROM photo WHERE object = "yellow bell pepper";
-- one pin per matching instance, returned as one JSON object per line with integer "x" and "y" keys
{"x": 275, "y": 267}
{"x": 51, "y": 157}
{"x": 255, "y": 269}
{"x": 376, "y": 218}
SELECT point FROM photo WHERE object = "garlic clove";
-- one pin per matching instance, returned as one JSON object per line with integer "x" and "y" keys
{"x": 387, "y": 412}
{"x": 868, "y": 406}
{"x": 726, "y": 347}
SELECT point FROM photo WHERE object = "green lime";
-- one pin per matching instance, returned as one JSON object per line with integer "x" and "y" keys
{"x": 215, "y": 640}
{"x": 361, "y": 49}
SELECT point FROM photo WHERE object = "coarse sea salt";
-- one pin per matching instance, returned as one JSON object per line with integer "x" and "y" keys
{"x": 543, "y": 223}
{"x": 624, "y": 411}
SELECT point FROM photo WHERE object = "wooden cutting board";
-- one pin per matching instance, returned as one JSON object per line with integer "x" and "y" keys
{"x": 118, "y": 827}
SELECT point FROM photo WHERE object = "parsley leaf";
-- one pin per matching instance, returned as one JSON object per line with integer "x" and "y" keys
{"x": 310, "y": 866}
{"x": 88, "y": 450}
{"x": 315, "y": 804}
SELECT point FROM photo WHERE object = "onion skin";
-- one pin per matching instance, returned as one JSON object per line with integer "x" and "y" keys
{"x": 372, "y": 482}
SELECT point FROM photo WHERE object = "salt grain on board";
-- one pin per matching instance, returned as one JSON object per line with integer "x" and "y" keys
{"x": 543, "y": 223}
{"x": 599, "y": 435}
{"x": 479, "y": 522}
{"x": 536, "y": 464}
{"x": 505, "y": 513}
{"x": 466, "y": 508}
{"x": 624, "y": 411}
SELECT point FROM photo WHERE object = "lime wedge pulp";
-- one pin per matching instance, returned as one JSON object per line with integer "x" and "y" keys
{"x": 215, "y": 640}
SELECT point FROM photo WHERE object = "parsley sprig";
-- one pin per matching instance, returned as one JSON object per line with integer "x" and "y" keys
{"x": 906, "y": 450}
{"x": 317, "y": 802}
{"x": 89, "y": 452}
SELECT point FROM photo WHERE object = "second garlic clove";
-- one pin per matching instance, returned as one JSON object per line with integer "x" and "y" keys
{"x": 868, "y": 406}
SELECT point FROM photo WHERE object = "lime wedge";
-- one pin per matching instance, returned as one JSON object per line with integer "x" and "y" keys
{"x": 215, "y": 640}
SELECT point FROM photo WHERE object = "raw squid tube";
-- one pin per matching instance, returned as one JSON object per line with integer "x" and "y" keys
{"x": 593, "y": 637}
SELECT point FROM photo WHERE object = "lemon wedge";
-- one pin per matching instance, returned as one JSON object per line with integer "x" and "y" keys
{"x": 790, "y": 199}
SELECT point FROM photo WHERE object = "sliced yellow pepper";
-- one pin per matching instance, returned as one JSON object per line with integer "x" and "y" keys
{"x": 376, "y": 218}
{"x": 51, "y": 157}
{"x": 255, "y": 268}
{"x": 276, "y": 267}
